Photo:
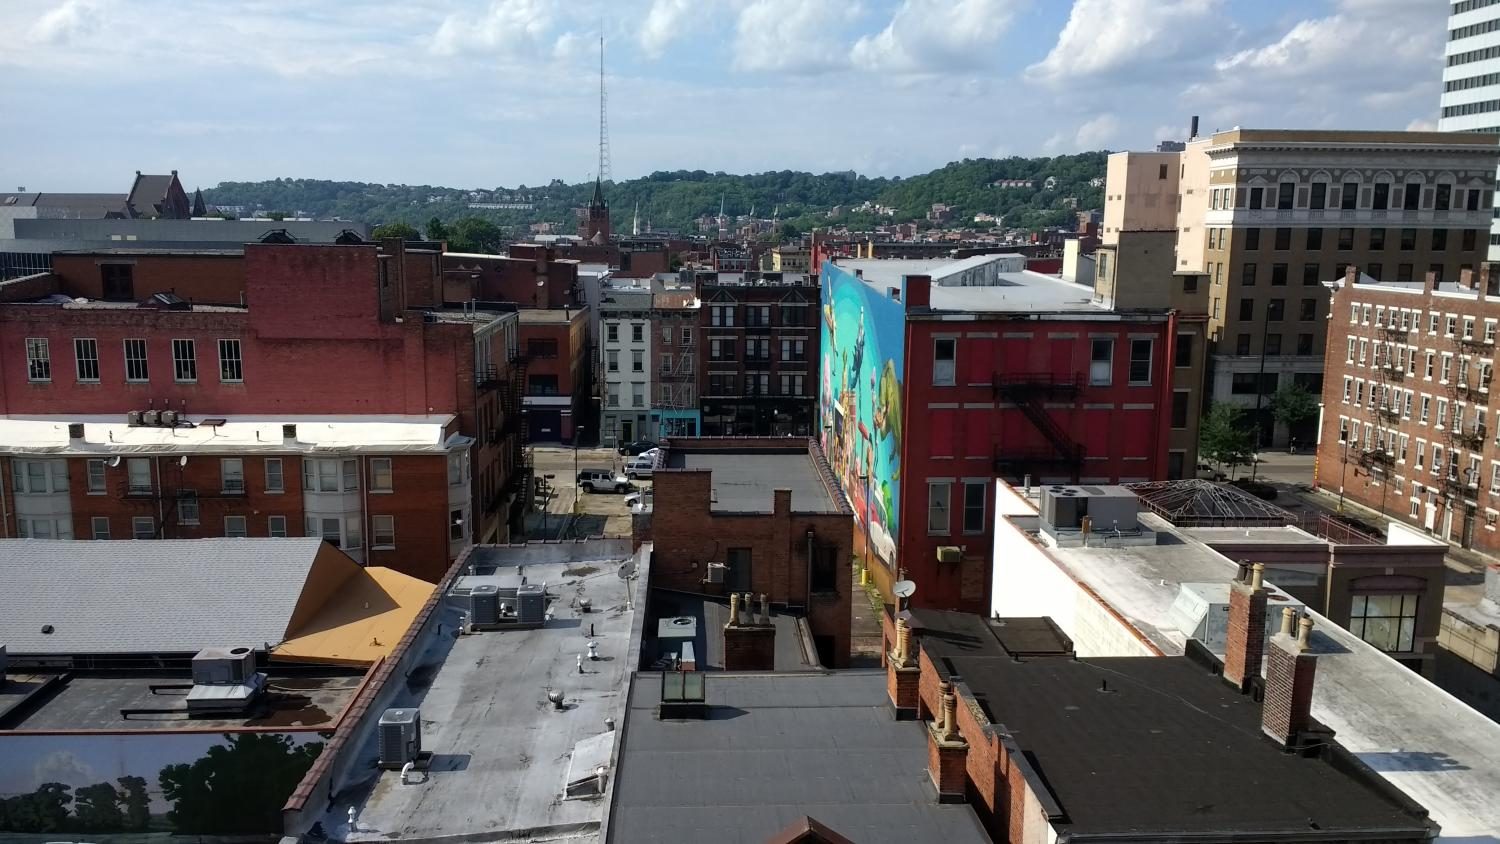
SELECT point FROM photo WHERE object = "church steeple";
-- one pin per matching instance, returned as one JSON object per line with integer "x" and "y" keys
{"x": 199, "y": 208}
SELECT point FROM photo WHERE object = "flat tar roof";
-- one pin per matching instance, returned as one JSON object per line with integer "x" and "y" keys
{"x": 1159, "y": 745}
{"x": 1441, "y": 752}
{"x": 776, "y": 748}
{"x": 1014, "y": 291}
{"x": 501, "y": 751}
{"x": 107, "y": 435}
{"x": 746, "y": 481}
{"x": 539, "y": 316}
{"x": 709, "y": 615}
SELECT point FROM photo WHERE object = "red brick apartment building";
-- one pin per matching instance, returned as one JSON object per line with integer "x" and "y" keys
{"x": 758, "y": 353}
{"x": 940, "y": 376}
{"x": 313, "y": 337}
{"x": 558, "y": 375}
{"x": 531, "y": 276}
{"x": 1408, "y": 413}
{"x": 761, "y": 515}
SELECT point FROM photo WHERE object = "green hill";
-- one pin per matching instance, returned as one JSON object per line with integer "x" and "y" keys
{"x": 674, "y": 200}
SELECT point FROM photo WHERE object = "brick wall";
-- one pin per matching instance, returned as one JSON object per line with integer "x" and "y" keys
{"x": 749, "y": 648}
{"x": 1290, "y": 675}
{"x": 200, "y": 279}
{"x": 1245, "y": 637}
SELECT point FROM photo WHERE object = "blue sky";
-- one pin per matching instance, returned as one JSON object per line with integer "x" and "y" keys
{"x": 482, "y": 93}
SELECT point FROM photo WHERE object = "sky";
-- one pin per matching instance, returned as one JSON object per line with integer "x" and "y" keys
{"x": 489, "y": 93}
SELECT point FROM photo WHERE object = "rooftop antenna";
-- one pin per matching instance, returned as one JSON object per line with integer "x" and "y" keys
{"x": 602, "y": 173}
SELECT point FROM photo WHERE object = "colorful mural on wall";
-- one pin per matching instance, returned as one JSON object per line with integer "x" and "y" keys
{"x": 179, "y": 783}
{"x": 860, "y": 397}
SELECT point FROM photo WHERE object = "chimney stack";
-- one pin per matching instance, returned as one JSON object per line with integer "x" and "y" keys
{"x": 1429, "y": 282}
{"x": 947, "y": 751}
{"x": 749, "y": 645}
{"x": 1291, "y": 668}
{"x": 902, "y": 674}
{"x": 1485, "y": 278}
{"x": 1245, "y": 640}
{"x": 1351, "y": 274}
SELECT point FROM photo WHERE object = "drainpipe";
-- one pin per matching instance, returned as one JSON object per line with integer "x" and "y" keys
{"x": 811, "y": 536}
{"x": 364, "y": 506}
{"x": 161, "y": 515}
{"x": 5, "y": 502}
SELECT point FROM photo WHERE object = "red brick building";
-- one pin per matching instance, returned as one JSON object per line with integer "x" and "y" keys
{"x": 940, "y": 376}
{"x": 558, "y": 373}
{"x": 758, "y": 515}
{"x": 271, "y": 332}
{"x": 531, "y": 276}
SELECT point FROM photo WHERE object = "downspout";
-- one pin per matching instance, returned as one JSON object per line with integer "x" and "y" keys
{"x": 364, "y": 506}
{"x": 1164, "y": 404}
{"x": 5, "y": 502}
{"x": 161, "y": 515}
{"x": 811, "y": 536}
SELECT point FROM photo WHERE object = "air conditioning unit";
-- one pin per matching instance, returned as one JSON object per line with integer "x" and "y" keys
{"x": 133, "y": 418}
{"x": 400, "y": 737}
{"x": 715, "y": 573}
{"x": 531, "y": 605}
{"x": 289, "y": 432}
{"x": 223, "y": 667}
{"x": 169, "y": 418}
{"x": 484, "y": 605}
{"x": 950, "y": 554}
{"x": 150, "y": 418}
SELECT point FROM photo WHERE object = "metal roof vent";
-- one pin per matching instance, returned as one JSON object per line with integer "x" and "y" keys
{"x": 400, "y": 737}
{"x": 289, "y": 432}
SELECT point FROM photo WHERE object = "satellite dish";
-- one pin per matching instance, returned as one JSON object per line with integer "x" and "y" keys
{"x": 904, "y": 588}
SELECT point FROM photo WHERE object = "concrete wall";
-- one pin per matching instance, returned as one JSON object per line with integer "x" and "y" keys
{"x": 1139, "y": 194}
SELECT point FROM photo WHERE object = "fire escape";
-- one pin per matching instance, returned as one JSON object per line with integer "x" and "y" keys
{"x": 510, "y": 434}
{"x": 677, "y": 383}
{"x": 1029, "y": 392}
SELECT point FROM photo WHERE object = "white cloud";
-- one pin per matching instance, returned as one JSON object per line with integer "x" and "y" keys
{"x": 791, "y": 35}
{"x": 1091, "y": 135}
{"x": 507, "y": 26}
{"x": 1104, "y": 36}
{"x": 70, "y": 20}
{"x": 936, "y": 35}
{"x": 667, "y": 21}
{"x": 1422, "y": 124}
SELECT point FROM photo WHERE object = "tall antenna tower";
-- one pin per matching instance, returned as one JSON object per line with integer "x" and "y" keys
{"x": 602, "y": 173}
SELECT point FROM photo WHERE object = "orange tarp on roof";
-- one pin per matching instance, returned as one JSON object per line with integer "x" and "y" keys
{"x": 360, "y": 622}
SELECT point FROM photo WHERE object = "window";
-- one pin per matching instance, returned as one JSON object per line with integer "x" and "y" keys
{"x": 100, "y": 527}
{"x": 944, "y": 351}
{"x": 458, "y": 467}
{"x": 1161, "y": 172}
{"x": 637, "y": 332}
{"x": 1403, "y": 272}
{"x": 135, "y": 361}
{"x": 138, "y": 470}
{"x": 232, "y": 472}
{"x": 184, "y": 361}
{"x": 276, "y": 526}
{"x": 1444, "y": 197}
{"x": 330, "y": 475}
{"x": 1284, "y": 192}
{"x": 1439, "y": 240}
{"x": 637, "y": 394}
{"x": 142, "y": 527}
{"x": 231, "y": 368}
{"x": 1408, "y": 240}
{"x": 1346, "y": 240}
{"x": 383, "y": 532}
{"x": 1183, "y": 354}
{"x": 1257, "y": 198}
{"x": 611, "y": 332}
{"x": 1309, "y": 310}
{"x": 1310, "y": 274}
{"x": 1314, "y": 240}
{"x": 793, "y": 314}
{"x": 687, "y": 336}
{"x": 118, "y": 281}
{"x": 1469, "y": 238}
{"x": 96, "y": 477}
{"x": 1382, "y": 196}
{"x": 1275, "y": 310}
{"x": 637, "y": 361}
{"x": 758, "y": 349}
{"x": 1304, "y": 344}
{"x": 187, "y": 507}
{"x": 974, "y": 500}
{"x": 721, "y": 315}
{"x": 380, "y": 474}
{"x": 329, "y": 529}
{"x": 40, "y": 477}
{"x": 1140, "y": 361}
{"x": 38, "y": 360}
{"x": 1180, "y": 409}
{"x": 546, "y": 347}
{"x": 665, "y": 363}
{"x": 1247, "y": 310}
{"x": 275, "y": 482}
{"x": 1278, "y": 275}
{"x": 720, "y": 349}
{"x": 1283, "y": 239}
{"x": 938, "y": 511}
{"x": 86, "y": 356}
{"x": 1412, "y": 196}
{"x": 792, "y": 385}
{"x": 614, "y": 395}
{"x": 1374, "y": 271}
{"x": 1101, "y": 363}
{"x": 1252, "y": 239}
{"x": 1425, "y": 410}
{"x": 1247, "y": 274}
{"x": 1242, "y": 344}
{"x": 794, "y": 350}
{"x": 456, "y": 525}
{"x": 1273, "y": 344}
{"x": 1319, "y": 196}
{"x": 1388, "y": 622}
{"x": 612, "y": 360}
{"x": 1189, "y": 282}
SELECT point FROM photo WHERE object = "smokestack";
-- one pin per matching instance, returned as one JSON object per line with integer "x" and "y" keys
{"x": 1291, "y": 669}
{"x": 1245, "y": 638}
{"x": 1193, "y": 128}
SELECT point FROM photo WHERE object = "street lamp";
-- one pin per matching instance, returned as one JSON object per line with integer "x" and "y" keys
{"x": 1344, "y": 473}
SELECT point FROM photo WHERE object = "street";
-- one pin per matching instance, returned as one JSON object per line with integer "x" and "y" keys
{"x": 599, "y": 514}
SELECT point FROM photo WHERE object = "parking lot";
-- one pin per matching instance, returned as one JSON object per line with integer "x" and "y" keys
{"x": 598, "y": 513}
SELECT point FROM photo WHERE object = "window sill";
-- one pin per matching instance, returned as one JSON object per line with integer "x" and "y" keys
{"x": 382, "y": 547}
{"x": 275, "y": 492}
{"x": 387, "y": 491}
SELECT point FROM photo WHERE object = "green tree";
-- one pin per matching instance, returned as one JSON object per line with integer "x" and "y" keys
{"x": 1226, "y": 438}
{"x": 96, "y": 808}
{"x": 405, "y": 231}
{"x": 43, "y": 810}
{"x": 1293, "y": 405}
{"x": 474, "y": 234}
{"x": 236, "y": 788}
{"x": 278, "y": 216}
{"x": 436, "y": 229}
{"x": 137, "y": 803}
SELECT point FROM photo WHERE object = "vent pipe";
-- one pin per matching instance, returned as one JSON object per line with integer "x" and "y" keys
{"x": 1193, "y": 128}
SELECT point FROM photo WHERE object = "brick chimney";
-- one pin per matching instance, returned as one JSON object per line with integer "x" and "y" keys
{"x": 1351, "y": 274}
{"x": 947, "y": 751}
{"x": 749, "y": 643}
{"x": 918, "y": 291}
{"x": 1291, "y": 669}
{"x": 1245, "y": 640}
{"x": 1486, "y": 278}
{"x": 1466, "y": 278}
{"x": 902, "y": 674}
{"x": 1429, "y": 282}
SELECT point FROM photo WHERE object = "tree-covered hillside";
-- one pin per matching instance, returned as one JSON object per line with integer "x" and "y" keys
{"x": 674, "y": 200}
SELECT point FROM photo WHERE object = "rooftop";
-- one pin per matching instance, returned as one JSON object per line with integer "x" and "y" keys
{"x": 112, "y": 435}
{"x": 776, "y": 748}
{"x": 664, "y": 633}
{"x": 1160, "y": 745}
{"x": 1021, "y": 291}
{"x": 543, "y": 316}
{"x": 746, "y": 481}
{"x": 1442, "y": 753}
{"x": 502, "y": 754}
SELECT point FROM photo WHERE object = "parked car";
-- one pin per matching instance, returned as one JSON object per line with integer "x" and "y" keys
{"x": 633, "y": 448}
{"x": 640, "y": 502}
{"x": 642, "y": 466}
{"x": 1209, "y": 473}
{"x": 603, "y": 480}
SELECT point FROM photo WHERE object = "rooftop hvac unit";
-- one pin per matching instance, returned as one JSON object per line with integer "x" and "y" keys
{"x": 400, "y": 737}
{"x": 715, "y": 573}
{"x": 150, "y": 417}
{"x": 133, "y": 418}
{"x": 169, "y": 418}
{"x": 223, "y": 667}
{"x": 289, "y": 432}
{"x": 75, "y": 430}
{"x": 531, "y": 605}
{"x": 484, "y": 605}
